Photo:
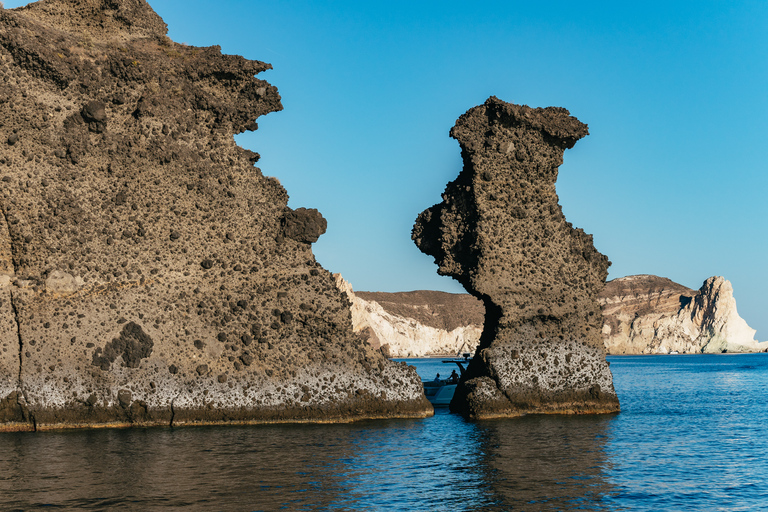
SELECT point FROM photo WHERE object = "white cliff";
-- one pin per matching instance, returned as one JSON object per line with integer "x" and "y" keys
{"x": 651, "y": 315}
{"x": 408, "y": 334}
{"x": 642, "y": 314}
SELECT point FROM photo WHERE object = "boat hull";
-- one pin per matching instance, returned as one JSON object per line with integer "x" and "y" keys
{"x": 439, "y": 394}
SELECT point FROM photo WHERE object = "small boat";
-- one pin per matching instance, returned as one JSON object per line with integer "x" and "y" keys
{"x": 440, "y": 392}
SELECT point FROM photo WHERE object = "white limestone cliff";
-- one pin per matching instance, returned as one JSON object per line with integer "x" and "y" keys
{"x": 401, "y": 336}
{"x": 651, "y": 315}
{"x": 642, "y": 314}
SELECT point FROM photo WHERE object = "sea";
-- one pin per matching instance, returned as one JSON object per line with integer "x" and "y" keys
{"x": 691, "y": 436}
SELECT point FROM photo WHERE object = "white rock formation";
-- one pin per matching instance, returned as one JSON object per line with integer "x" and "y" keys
{"x": 401, "y": 336}
{"x": 651, "y": 319}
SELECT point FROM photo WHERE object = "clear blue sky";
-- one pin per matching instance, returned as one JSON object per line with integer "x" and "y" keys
{"x": 671, "y": 180}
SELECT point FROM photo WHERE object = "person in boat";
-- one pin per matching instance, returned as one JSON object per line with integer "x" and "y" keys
{"x": 437, "y": 378}
{"x": 454, "y": 378}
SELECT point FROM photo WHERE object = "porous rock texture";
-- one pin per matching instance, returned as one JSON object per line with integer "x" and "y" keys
{"x": 501, "y": 233}
{"x": 647, "y": 314}
{"x": 420, "y": 323}
{"x": 149, "y": 273}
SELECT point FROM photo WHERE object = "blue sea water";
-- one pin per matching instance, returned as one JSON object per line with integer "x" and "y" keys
{"x": 690, "y": 437}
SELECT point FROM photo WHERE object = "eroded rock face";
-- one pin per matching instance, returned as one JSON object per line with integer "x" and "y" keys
{"x": 501, "y": 233}
{"x": 149, "y": 273}
{"x": 647, "y": 314}
{"x": 421, "y": 323}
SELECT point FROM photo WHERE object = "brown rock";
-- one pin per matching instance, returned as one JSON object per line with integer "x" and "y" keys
{"x": 627, "y": 299}
{"x": 501, "y": 233}
{"x": 124, "y": 177}
{"x": 9, "y": 335}
{"x": 303, "y": 225}
{"x": 421, "y": 323}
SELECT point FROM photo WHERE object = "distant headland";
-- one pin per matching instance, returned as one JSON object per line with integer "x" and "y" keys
{"x": 642, "y": 314}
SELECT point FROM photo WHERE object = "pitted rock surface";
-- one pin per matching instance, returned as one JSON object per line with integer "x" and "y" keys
{"x": 501, "y": 233}
{"x": 149, "y": 273}
{"x": 303, "y": 225}
{"x": 10, "y": 411}
{"x": 131, "y": 346}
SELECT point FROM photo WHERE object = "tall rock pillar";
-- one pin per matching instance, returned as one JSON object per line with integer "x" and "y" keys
{"x": 501, "y": 233}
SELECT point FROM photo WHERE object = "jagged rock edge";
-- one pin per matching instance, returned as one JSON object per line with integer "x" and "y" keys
{"x": 451, "y": 254}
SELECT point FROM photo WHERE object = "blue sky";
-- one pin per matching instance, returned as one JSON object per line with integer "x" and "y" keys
{"x": 671, "y": 180}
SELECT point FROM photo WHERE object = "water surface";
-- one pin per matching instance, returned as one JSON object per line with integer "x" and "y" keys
{"x": 690, "y": 437}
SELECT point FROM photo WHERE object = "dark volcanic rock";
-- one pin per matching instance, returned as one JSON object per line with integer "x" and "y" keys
{"x": 501, "y": 233}
{"x": 139, "y": 244}
{"x": 132, "y": 346}
{"x": 10, "y": 361}
{"x": 303, "y": 225}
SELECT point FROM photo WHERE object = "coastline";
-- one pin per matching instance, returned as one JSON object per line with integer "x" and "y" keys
{"x": 285, "y": 416}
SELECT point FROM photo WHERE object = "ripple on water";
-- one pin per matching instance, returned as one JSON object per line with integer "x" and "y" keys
{"x": 690, "y": 437}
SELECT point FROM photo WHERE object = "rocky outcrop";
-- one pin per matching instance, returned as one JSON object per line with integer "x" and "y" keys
{"x": 149, "y": 272}
{"x": 416, "y": 324}
{"x": 647, "y": 314}
{"x": 501, "y": 233}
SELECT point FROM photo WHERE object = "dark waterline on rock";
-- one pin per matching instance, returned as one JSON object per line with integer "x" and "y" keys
{"x": 690, "y": 437}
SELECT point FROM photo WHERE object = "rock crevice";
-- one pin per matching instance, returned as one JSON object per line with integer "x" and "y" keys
{"x": 501, "y": 233}
{"x": 12, "y": 406}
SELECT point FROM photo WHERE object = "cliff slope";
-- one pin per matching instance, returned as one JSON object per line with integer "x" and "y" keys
{"x": 646, "y": 314}
{"x": 501, "y": 233}
{"x": 149, "y": 273}
{"x": 421, "y": 323}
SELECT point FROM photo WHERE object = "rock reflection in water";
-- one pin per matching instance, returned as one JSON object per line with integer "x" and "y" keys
{"x": 547, "y": 462}
{"x": 439, "y": 463}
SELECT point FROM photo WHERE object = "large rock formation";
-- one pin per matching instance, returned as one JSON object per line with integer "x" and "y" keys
{"x": 501, "y": 233}
{"x": 149, "y": 273}
{"x": 421, "y": 323}
{"x": 653, "y": 315}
